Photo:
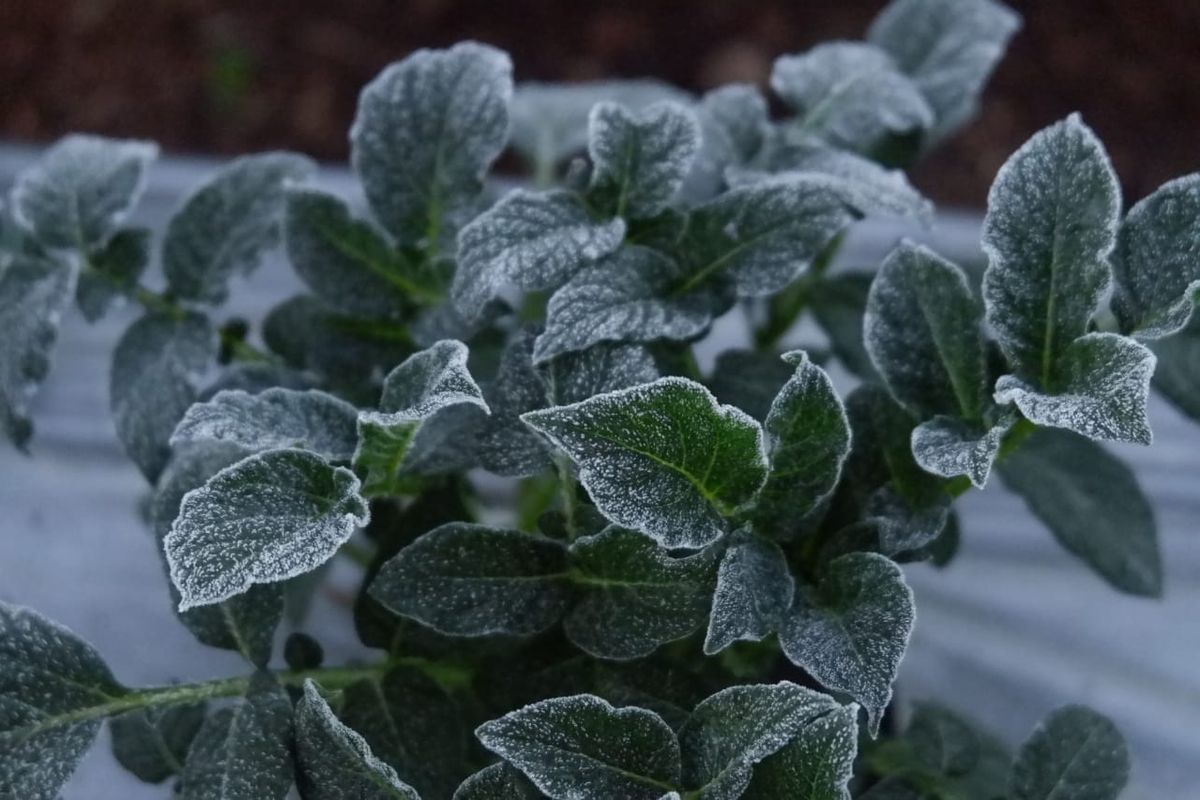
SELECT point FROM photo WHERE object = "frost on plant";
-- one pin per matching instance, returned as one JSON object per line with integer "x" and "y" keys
{"x": 594, "y": 565}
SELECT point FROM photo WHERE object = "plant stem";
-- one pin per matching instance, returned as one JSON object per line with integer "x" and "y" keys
{"x": 569, "y": 495}
{"x": 785, "y": 308}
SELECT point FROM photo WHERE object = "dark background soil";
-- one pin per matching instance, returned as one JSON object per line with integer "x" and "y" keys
{"x": 221, "y": 76}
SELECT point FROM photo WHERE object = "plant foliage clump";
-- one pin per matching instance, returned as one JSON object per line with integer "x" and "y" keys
{"x": 593, "y": 568}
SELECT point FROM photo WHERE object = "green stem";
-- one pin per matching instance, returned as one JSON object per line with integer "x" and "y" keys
{"x": 569, "y": 494}
{"x": 785, "y": 308}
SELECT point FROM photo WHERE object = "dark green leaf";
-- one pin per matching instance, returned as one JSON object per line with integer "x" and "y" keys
{"x": 497, "y": 782}
{"x": 156, "y": 367}
{"x": 112, "y": 271}
{"x": 632, "y": 596}
{"x": 838, "y": 303}
{"x": 1092, "y": 504}
{"x": 754, "y": 592}
{"x": 582, "y": 748}
{"x": 749, "y": 380}
{"x": 816, "y": 765}
{"x": 336, "y": 763}
{"x": 427, "y": 129}
{"x": 472, "y": 580}
{"x": 850, "y": 631}
{"x": 53, "y": 687}
{"x": 1074, "y": 754}
{"x": 226, "y": 226}
{"x": 663, "y": 458}
{"x": 942, "y": 741}
{"x": 153, "y": 743}
{"x": 271, "y": 516}
{"x": 1177, "y": 375}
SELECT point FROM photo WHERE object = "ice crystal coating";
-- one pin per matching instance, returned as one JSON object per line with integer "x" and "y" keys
{"x": 81, "y": 190}
{"x": 734, "y": 128}
{"x": 269, "y": 517}
{"x": 581, "y": 747}
{"x": 1074, "y": 754}
{"x": 1092, "y": 504}
{"x": 497, "y": 782}
{"x": 663, "y": 458}
{"x": 1050, "y": 226}
{"x": 427, "y": 129}
{"x": 850, "y": 631}
{"x": 816, "y": 765}
{"x": 754, "y": 591}
{"x": 949, "y": 447}
{"x": 334, "y": 762}
{"x": 271, "y": 420}
{"x": 922, "y": 331}
{"x": 532, "y": 240}
{"x": 1101, "y": 388}
{"x": 156, "y": 366}
{"x": 225, "y": 226}
{"x": 640, "y": 159}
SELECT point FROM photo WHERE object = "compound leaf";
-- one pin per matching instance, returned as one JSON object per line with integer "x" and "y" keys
{"x": 427, "y": 129}
{"x": 472, "y": 580}
{"x": 532, "y": 240}
{"x": 921, "y": 329}
{"x": 850, "y": 631}
{"x": 632, "y": 596}
{"x": 734, "y": 729}
{"x": 53, "y": 689}
{"x": 156, "y": 366}
{"x": 273, "y": 419}
{"x": 334, "y": 762}
{"x": 1100, "y": 389}
{"x": 1074, "y": 754}
{"x": 1092, "y": 504}
{"x": 226, "y": 225}
{"x": 816, "y": 765}
{"x": 1050, "y": 225}
{"x": 640, "y": 159}
{"x": 582, "y": 747}
{"x": 663, "y": 458}
{"x": 269, "y": 517}
{"x": 81, "y": 190}
{"x": 754, "y": 592}
{"x": 1157, "y": 261}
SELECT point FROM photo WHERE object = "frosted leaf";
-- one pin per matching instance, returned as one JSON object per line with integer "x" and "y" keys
{"x": 269, "y": 517}
{"x": 734, "y": 729}
{"x": 640, "y": 159}
{"x": 850, "y": 94}
{"x": 550, "y": 120}
{"x": 1092, "y": 504}
{"x": 949, "y": 447}
{"x": 226, "y": 226}
{"x": 412, "y": 725}
{"x": 902, "y": 527}
{"x": 112, "y": 271}
{"x": 245, "y": 623}
{"x": 34, "y": 292}
{"x": 816, "y": 765}
{"x": 1101, "y": 384}
{"x": 881, "y": 453}
{"x": 153, "y": 743}
{"x": 734, "y": 128}
{"x": 532, "y": 240}
{"x": 838, "y": 303}
{"x": 582, "y": 748}
{"x": 749, "y": 380}
{"x": 243, "y": 752}
{"x": 921, "y": 330}
{"x": 507, "y": 445}
{"x": 949, "y": 48}
{"x": 1177, "y": 374}
{"x": 862, "y": 183}
{"x": 850, "y": 632}
{"x": 472, "y": 580}
{"x": 427, "y": 383}
{"x": 663, "y": 458}
{"x": 1073, "y": 754}
{"x": 273, "y": 419}
{"x": 632, "y": 596}
{"x": 427, "y": 129}
{"x": 1157, "y": 261}
{"x": 1050, "y": 225}
{"x": 628, "y": 296}
{"x": 334, "y": 762}
{"x": 808, "y": 438}
{"x": 497, "y": 782}
{"x": 346, "y": 261}
{"x": 81, "y": 189}
{"x": 754, "y": 591}
{"x": 49, "y": 676}
{"x": 761, "y": 237}
{"x": 156, "y": 367}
